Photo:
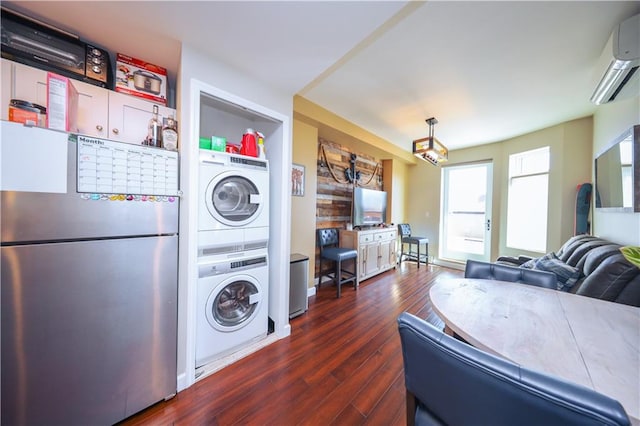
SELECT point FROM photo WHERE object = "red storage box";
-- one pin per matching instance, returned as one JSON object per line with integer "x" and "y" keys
{"x": 139, "y": 78}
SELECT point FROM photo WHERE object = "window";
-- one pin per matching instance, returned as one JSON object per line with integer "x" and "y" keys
{"x": 528, "y": 200}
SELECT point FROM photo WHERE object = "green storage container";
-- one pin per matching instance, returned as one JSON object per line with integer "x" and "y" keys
{"x": 218, "y": 143}
{"x": 205, "y": 143}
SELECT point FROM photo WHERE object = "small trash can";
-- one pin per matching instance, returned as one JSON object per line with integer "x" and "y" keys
{"x": 298, "y": 273}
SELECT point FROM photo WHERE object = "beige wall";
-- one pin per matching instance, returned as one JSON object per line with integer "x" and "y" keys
{"x": 570, "y": 145}
{"x": 310, "y": 122}
{"x": 303, "y": 209}
{"x": 416, "y": 184}
{"x": 610, "y": 121}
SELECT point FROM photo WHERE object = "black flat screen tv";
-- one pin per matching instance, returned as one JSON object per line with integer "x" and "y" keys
{"x": 369, "y": 207}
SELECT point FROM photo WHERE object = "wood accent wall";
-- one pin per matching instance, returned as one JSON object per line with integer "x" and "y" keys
{"x": 333, "y": 199}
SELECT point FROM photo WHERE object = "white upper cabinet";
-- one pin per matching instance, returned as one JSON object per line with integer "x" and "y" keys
{"x": 102, "y": 113}
{"x": 129, "y": 117}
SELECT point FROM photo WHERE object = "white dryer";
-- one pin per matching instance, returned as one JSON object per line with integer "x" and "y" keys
{"x": 232, "y": 305}
{"x": 233, "y": 191}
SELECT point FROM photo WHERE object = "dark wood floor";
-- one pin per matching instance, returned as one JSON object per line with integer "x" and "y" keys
{"x": 342, "y": 364}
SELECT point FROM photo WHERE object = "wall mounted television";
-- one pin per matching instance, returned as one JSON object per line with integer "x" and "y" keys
{"x": 617, "y": 171}
{"x": 369, "y": 207}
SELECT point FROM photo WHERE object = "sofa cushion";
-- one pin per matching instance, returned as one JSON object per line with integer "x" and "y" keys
{"x": 614, "y": 279}
{"x": 578, "y": 255}
{"x": 595, "y": 257}
{"x": 572, "y": 244}
{"x": 567, "y": 274}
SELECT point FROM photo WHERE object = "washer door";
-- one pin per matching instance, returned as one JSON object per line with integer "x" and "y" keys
{"x": 233, "y": 303}
{"x": 233, "y": 200}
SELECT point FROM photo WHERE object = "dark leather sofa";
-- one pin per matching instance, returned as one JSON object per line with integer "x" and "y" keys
{"x": 603, "y": 272}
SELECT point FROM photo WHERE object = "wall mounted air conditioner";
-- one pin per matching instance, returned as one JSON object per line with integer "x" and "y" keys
{"x": 618, "y": 65}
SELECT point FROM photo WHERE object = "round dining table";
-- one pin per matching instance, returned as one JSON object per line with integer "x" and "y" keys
{"x": 584, "y": 340}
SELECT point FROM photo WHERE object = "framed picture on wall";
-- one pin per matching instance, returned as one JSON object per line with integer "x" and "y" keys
{"x": 297, "y": 180}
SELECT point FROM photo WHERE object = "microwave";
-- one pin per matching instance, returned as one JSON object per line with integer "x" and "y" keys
{"x": 39, "y": 45}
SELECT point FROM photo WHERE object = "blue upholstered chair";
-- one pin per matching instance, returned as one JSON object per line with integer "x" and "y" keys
{"x": 328, "y": 241}
{"x": 449, "y": 382}
{"x": 404, "y": 230}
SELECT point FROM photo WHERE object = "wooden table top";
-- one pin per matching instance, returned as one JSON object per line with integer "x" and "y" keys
{"x": 581, "y": 339}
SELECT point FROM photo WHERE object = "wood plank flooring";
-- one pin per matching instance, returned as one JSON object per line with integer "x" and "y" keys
{"x": 342, "y": 364}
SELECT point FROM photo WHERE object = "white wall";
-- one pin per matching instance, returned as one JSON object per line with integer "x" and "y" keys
{"x": 609, "y": 122}
{"x": 197, "y": 71}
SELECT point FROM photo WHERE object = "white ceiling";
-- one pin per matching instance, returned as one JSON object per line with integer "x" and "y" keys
{"x": 486, "y": 70}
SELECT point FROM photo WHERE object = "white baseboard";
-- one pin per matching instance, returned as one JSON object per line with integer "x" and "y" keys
{"x": 216, "y": 365}
{"x": 311, "y": 291}
{"x": 449, "y": 264}
{"x": 182, "y": 382}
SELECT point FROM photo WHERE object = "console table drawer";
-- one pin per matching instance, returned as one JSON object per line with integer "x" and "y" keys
{"x": 386, "y": 235}
{"x": 366, "y": 238}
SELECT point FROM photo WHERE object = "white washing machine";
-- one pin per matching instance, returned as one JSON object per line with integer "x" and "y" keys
{"x": 233, "y": 191}
{"x": 232, "y": 305}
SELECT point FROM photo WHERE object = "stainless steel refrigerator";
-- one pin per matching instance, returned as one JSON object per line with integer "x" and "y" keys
{"x": 89, "y": 278}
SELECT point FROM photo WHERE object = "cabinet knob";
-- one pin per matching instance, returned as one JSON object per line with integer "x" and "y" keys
{"x": 99, "y": 128}
{"x": 115, "y": 131}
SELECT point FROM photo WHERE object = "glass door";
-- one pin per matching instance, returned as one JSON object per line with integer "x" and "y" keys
{"x": 232, "y": 304}
{"x": 465, "y": 219}
{"x": 233, "y": 199}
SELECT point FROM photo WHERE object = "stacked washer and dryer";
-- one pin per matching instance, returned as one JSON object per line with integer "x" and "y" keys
{"x": 233, "y": 237}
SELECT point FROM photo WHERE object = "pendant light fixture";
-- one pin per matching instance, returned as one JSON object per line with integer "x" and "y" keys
{"x": 429, "y": 148}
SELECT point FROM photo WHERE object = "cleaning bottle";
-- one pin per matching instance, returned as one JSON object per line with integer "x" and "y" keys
{"x": 261, "y": 151}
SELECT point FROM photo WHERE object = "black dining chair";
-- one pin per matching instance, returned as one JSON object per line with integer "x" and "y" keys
{"x": 495, "y": 271}
{"x": 449, "y": 382}
{"x": 328, "y": 241}
{"x": 404, "y": 230}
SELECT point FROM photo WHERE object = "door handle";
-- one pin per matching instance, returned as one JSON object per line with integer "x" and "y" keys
{"x": 219, "y": 163}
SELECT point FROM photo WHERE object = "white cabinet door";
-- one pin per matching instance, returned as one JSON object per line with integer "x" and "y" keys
{"x": 371, "y": 261}
{"x": 392, "y": 253}
{"x": 129, "y": 117}
{"x": 93, "y": 110}
{"x": 29, "y": 84}
{"x": 6, "y": 77}
{"x": 362, "y": 262}
{"x": 384, "y": 256}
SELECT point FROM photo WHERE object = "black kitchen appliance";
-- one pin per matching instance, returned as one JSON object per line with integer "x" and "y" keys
{"x": 40, "y": 45}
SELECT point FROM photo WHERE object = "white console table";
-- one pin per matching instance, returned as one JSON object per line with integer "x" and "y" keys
{"x": 376, "y": 249}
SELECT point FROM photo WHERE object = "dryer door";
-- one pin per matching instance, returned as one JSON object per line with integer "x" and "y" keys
{"x": 233, "y": 303}
{"x": 233, "y": 199}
